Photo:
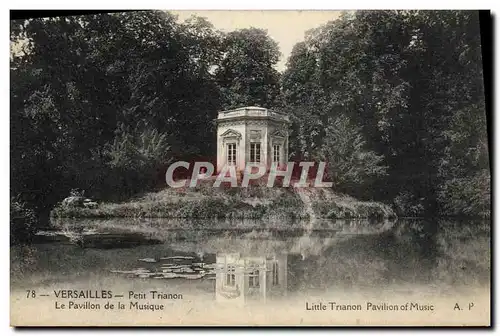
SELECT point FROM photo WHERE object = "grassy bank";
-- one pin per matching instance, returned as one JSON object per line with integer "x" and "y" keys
{"x": 254, "y": 202}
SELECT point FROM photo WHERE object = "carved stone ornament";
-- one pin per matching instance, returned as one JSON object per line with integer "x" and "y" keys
{"x": 279, "y": 134}
{"x": 231, "y": 135}
{"x": 255, "y": 135}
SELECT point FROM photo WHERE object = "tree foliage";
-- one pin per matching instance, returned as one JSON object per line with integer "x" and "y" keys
{"x": 78, "y": 82}
{"x": 246, "y": 74}
{"x": 349, "y": 162}
{"x": 412, "y": 80}
{"x": 392, "y": 100}
{"x": 104, "y": 102}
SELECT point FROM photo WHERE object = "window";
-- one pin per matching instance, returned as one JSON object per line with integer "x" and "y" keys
{"x": 254, "y": 152}
{"x": 253, "y": 279}
{"x": 276, "y": 153}
{"x": 231, "y": 154}
{"x": 231, "y": 276}
{"x": 275, "y": 275}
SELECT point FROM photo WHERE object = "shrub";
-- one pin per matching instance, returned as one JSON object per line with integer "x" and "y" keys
{"x": 468, "y": 196}
{"x": 22, "y": 222}
{"x": 133, "y": 159}
{"x": 406, "y": 204}
{"x": 350, "y": 164}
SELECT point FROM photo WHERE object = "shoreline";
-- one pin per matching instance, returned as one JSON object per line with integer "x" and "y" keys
{"x": 255, "y": 202}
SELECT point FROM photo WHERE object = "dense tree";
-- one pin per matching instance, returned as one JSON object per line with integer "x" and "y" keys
{"x": 246, "y": 73}
{"x": 410, "y": 80}
{"x": 393, "y": 101}
{"x": 104, "y": 102}
{"x": 80, "y": 85}
{"x": 350, "y": 164}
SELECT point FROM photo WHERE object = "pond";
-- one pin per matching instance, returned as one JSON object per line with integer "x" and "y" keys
{"x": 228, "y": 263}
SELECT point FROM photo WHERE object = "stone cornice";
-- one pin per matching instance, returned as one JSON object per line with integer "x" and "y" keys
{"x": 250, "y": 121}
{"x": 250, "y": 118}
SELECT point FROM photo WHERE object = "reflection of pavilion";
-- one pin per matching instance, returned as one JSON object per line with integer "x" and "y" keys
{"x": 242, "y": 278}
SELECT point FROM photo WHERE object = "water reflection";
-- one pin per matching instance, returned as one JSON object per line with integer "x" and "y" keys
{"x": 241, "y": 278}
{"x": 91, "y": 238}
{"x": 174, "y": 267}
{"x": 250, "y": 266}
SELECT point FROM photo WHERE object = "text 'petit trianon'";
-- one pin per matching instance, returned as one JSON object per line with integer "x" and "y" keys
{"x": 252, "y": 172}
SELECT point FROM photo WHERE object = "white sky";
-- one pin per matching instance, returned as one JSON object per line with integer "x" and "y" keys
{"x": 285, "y": 27}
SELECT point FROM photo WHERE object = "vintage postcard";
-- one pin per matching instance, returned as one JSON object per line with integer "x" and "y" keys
{"x": 261, "y": 168}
